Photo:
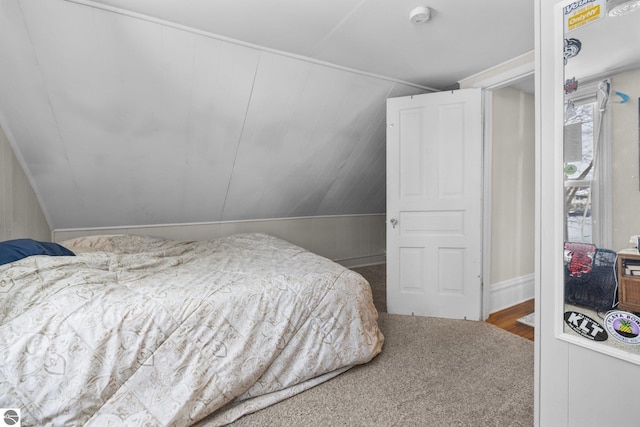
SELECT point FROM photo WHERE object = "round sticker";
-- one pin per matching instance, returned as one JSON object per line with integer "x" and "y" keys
{"x": 623, "y": 326}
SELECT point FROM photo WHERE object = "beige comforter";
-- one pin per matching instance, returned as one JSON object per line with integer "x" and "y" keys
{"x": 140, "y": 331}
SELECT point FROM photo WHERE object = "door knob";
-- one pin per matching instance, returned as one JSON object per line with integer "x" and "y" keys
{"x": 393, "y": 222}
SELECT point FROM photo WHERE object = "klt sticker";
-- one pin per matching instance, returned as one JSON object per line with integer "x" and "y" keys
{"x": 585, "y": 326}
{"x": 623, "y": 326}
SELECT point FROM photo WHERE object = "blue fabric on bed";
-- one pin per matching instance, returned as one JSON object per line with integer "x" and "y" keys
{"x": 14, "y": 250}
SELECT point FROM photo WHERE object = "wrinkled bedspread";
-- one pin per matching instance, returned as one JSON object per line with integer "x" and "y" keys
{"x": 161, "y": 332}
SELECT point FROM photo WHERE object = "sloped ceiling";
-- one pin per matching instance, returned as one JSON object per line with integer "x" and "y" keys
{"x": 126, "y": 119}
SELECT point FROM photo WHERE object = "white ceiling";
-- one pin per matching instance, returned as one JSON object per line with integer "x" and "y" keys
{"x": 462, "y": 37}
{"x": 151, "y": 112}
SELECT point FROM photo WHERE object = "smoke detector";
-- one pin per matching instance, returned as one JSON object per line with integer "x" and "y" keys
{"x": 622, "y": 7}
{"x": 420, "y": 15}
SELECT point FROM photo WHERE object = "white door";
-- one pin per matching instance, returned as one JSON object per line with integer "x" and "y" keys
{"x": 434, "y": 204}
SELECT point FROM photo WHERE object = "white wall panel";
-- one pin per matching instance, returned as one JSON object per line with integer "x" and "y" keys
{"x": 358, "y": 180}
{"x": 20, "y": 213}
{"x": 223, "y": 83}
{"x": 129, "y": 121}
{"x": 310, "y": 122}
{"x": 25, "y": 106}
{"x": 352, "y": 240}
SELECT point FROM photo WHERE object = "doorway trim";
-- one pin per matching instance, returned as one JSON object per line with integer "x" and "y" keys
{"x": 497, "y": 77}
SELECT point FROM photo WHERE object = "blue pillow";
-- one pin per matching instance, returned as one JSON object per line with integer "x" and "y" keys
{"x": 14, "y": 250}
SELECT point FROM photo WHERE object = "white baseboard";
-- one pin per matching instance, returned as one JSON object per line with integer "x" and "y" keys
{"x": 511, "y": 292}
{"x": 363, "y": 261}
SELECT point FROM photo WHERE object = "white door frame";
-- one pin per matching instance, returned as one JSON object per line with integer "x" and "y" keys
{"x": 493, "y": 82}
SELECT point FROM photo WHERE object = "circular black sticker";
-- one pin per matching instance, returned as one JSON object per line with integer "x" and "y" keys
{"x": 585, "y": 326}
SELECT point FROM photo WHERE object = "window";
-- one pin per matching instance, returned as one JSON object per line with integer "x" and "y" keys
{"x": 587, "y": 167}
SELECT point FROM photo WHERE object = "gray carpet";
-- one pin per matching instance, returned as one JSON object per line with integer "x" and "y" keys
{"x": 431, "y": 372}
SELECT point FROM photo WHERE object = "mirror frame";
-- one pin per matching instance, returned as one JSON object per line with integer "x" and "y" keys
{"x": 558, "y": 182}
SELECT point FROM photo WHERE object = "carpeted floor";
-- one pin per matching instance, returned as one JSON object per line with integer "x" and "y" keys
{"x": 376, "y": 275}
{"x": 431, "y": 372}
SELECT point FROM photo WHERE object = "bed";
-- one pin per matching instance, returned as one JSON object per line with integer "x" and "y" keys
{"x": 135, "y": 330}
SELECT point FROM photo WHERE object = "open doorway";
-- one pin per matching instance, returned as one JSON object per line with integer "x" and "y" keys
{"x": 508, "y": 186}
{"x": 510, "y": 142}
{"x": 508, "y": 182}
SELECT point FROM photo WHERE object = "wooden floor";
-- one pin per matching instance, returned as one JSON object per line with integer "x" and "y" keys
{"x": 507, "y": 319}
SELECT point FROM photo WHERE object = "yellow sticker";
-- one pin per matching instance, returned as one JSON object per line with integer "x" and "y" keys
{"x": 581, "y": 13}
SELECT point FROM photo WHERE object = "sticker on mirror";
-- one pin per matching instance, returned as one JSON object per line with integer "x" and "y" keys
{"x": 582, "y": 12}
{"x": 585, "y": 326}
{"x": 623, "y": 326}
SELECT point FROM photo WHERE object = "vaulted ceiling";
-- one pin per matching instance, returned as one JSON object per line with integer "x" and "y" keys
{"x": 150, "y": 112}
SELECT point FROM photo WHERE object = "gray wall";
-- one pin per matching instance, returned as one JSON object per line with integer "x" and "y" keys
{"x": 624, "y": 151}
{"x": 512, "y": 185}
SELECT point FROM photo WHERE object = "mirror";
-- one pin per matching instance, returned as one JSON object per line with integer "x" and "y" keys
{"x": 601, "y": 176}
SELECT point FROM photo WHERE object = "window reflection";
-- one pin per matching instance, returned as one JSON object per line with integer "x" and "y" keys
{"x": 600, "y": 178}
{"x": 578, "y": 171}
